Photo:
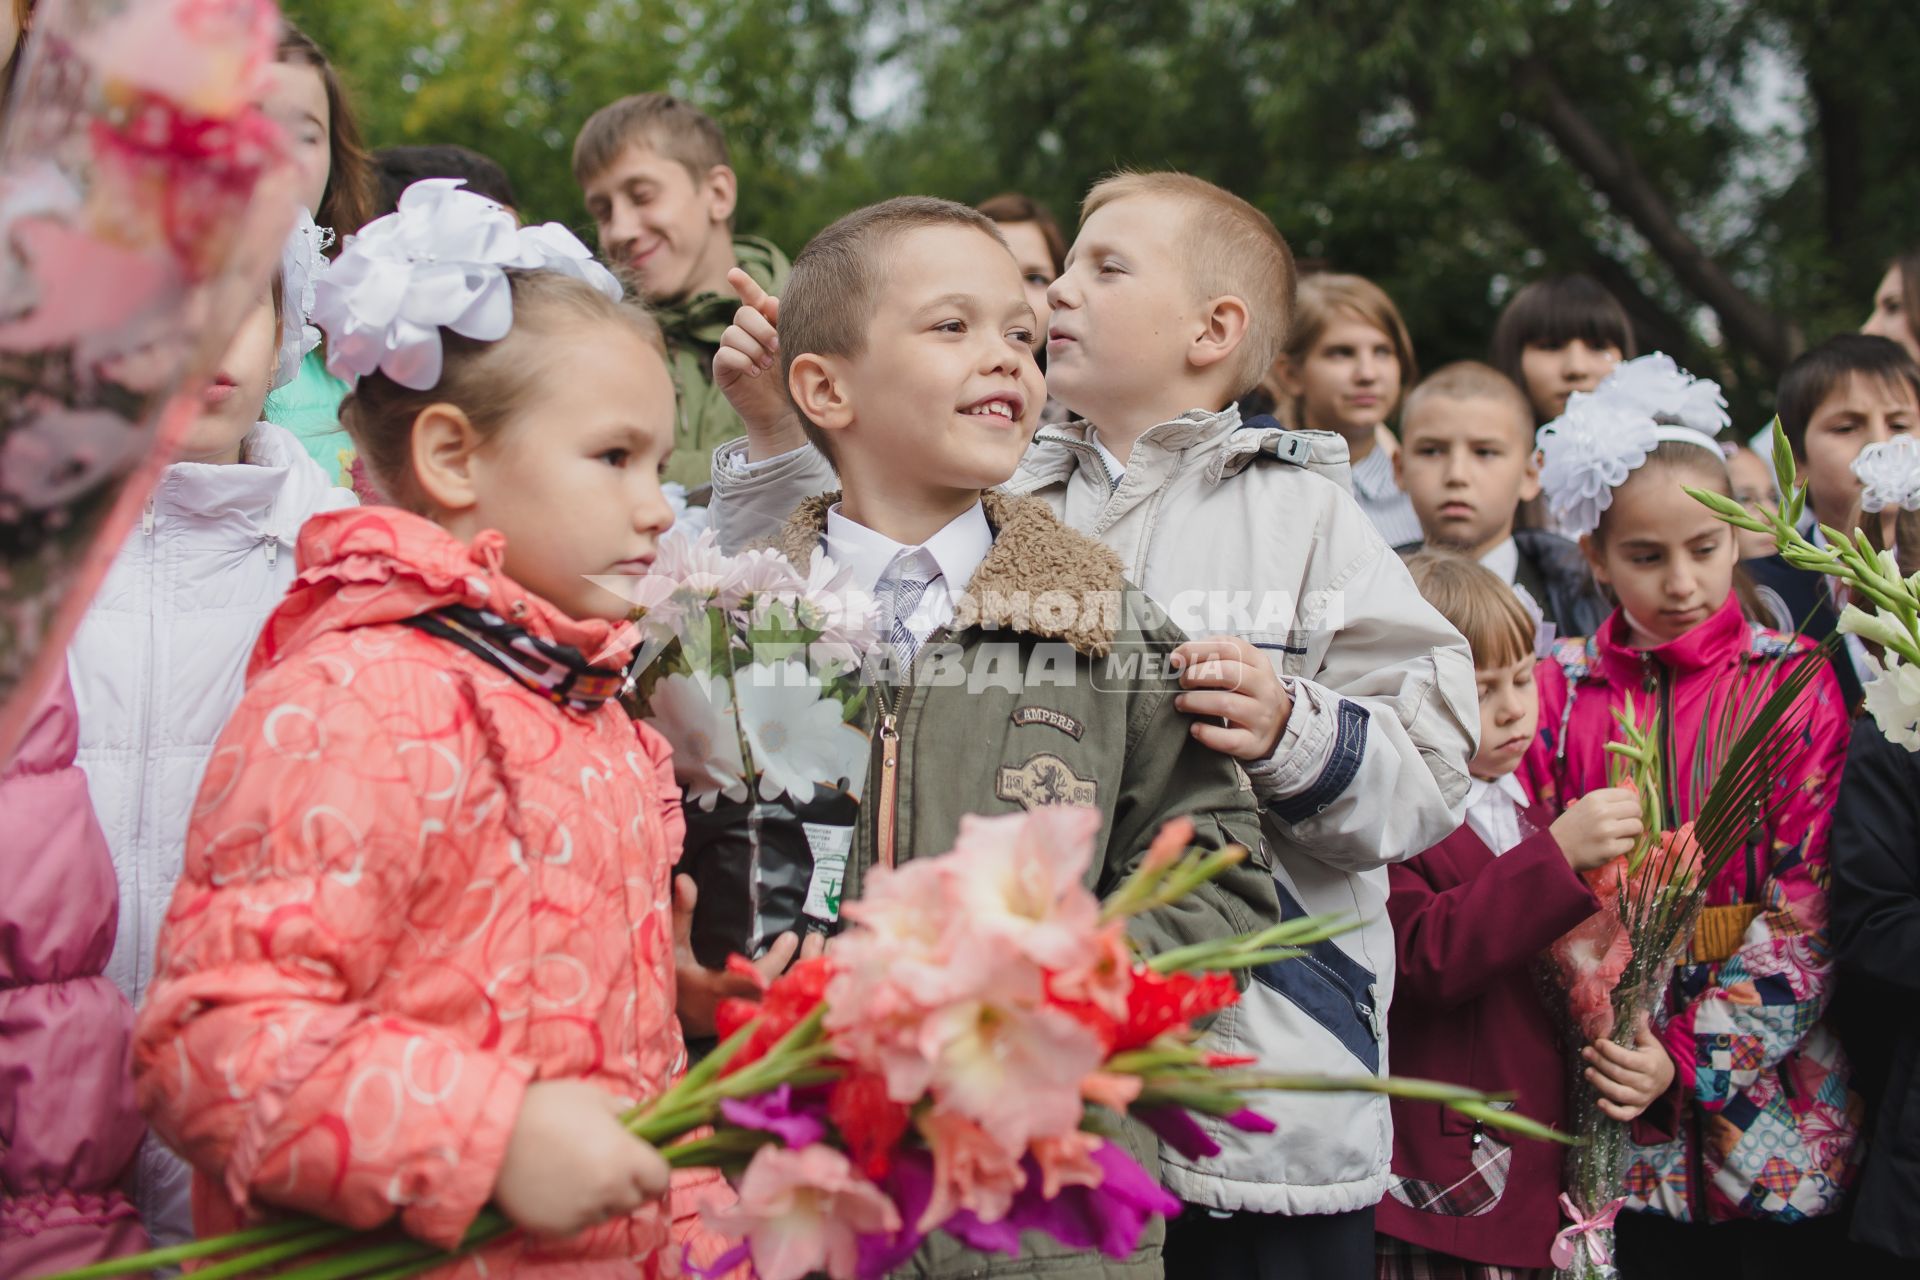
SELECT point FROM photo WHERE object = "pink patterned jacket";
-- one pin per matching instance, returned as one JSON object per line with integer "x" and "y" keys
{"x": 412, "y": 886}
{"x": 1768, "y": 1122}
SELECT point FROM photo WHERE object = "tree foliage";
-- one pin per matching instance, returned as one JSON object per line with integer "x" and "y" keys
{"x": 1737, "y": 171}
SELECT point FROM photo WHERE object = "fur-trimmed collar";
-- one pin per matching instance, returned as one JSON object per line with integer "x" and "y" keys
{"x": 1035, "y": 561}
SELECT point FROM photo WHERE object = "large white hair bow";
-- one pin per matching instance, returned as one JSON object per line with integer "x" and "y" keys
{"x": 1889, "y": 475}
{"x": 302, "y": 263}
{"x": 438, "y": 261}
{"x": 1604, "y": 435}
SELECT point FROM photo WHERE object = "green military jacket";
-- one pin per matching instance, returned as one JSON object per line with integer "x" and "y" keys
{"x": 1051, "y": 687}
{"x": 703, "y": 420}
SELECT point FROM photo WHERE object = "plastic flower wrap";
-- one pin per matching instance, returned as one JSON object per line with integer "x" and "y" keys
{"x": 1604, "y": 435}
{"x": 143, "y": 198}
{"x": 956, "y": 1063}
{"x": 752, "y": 671}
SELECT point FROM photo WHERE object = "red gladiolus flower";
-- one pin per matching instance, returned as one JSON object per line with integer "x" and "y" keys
{"x": 1160, "y": 1003}
{"x": 870, "y": 1121}
{"x": 785, "y": 1004}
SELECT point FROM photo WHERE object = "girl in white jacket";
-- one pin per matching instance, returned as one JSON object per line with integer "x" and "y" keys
{"x": 158, "y": 662}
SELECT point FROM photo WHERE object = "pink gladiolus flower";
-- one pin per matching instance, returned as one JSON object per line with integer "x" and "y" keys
{"x": 804, "y": 1211}
{"x": 1019, "y": 878}
{"x": 1067, "y": 1161}
{"x": 1591, "y": 959}
{"x": 1016, "y": 1070}
{"x": 971, "y": 1170}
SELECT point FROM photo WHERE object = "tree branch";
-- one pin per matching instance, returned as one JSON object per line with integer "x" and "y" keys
{"x": 1745, "y": 320}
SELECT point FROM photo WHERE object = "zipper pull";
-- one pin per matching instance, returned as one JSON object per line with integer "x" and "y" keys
{"x": 146, "y": 518}
{"x": 889, "y": 787}
{"x": 273, "y": 549}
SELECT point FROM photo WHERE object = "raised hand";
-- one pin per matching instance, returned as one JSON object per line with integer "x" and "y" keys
{"x": 700, "y": 990}
{"x": 747, "y": 370}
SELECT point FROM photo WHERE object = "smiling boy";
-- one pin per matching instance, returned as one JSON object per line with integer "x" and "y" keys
{"x": 658, "y": 181}
{"x": 1024, "y": 669}
{"x": 1348, "y": 702}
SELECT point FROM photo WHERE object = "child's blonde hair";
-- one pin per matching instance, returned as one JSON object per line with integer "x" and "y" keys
{"x": 1329, "y": 297}
{"x": 1480, "y": 606}
{"x": 488, "y": 381}
{"x": 1231, "y": 248}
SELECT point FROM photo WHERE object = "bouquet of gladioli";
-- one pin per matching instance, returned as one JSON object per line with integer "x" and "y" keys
{"x": 960, "y": 1061}
{"x": 142, "y": 194}
{"x": 752, "y": 672}
{"x": 1890, "y": 478}
{"x": 1616, "y": 966}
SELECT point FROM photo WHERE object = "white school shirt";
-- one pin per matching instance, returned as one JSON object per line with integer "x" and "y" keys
{"x": 1493, "y": 811}
{"x": 957, "y": 550}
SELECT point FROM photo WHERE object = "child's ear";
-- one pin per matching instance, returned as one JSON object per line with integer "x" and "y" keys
{"x": 722, "y": 188}
{"x": 1227, "y": 319}
{"x": 1591, "y": 550}
{"x": 819, "y": 392}
{"x": 1399, "y": 464}
{"x": 1530, "y": 478}
{"x": 444, "y": 443}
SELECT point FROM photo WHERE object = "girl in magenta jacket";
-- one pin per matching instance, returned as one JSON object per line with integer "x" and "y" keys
{"x": 1766, "y": 1129}
{"x": 68, "y": 1124}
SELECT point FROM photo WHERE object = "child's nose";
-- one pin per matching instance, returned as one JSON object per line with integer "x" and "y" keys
{"x": 1059, "y": 296}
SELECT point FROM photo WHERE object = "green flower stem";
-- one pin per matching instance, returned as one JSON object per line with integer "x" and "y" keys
{"x": 194, "y": 1249}
{"x": 299, "y": 1246}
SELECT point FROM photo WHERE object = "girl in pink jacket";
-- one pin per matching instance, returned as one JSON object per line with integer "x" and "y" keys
{"x": 421, "y": 950}
{"x": 1764, "y": 1133}
{"x": 68, "y": 1125}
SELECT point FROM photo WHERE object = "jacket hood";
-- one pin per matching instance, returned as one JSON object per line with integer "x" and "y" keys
{"x": 1033, "y": 556}
{"x": 269, "y": 496}
{"x": 372, "y": 566}
{"x": 1222, "y": 442}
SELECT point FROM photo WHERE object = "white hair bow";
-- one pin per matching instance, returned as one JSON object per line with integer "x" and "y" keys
{"x": 302, "y": 263}
{"x": 1604, "y": 435}
{"x": 438, "y": 261}
{"x": 1889, "y": 475}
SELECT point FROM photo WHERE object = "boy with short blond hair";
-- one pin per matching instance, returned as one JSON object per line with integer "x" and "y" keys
{"x": 659, "y": 183}
{"x": 1467, "y": 463}
{"x": 906, "y": 344}
{"x": 1348, "y": 701}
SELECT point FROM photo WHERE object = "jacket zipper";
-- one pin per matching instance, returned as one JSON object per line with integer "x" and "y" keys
{"x": 1659, "y": 680}
{"x": 889, "y": 779}
{"x": 143, "y": 946}
{"x": 886, "y": 818}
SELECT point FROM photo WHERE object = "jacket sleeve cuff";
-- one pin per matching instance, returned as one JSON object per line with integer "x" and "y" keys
{"x": 1317, "y": 757}
{"x": 443, "y": 1218}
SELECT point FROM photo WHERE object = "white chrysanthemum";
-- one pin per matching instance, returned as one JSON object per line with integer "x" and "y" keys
{"x": 1893, "y": 700}
{"x": 796, "y": 732}
{"x": 695, "y": 715}
{"x": 1889, "y": 475}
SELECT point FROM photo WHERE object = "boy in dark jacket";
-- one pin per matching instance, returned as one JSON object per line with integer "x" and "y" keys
{"x": 1470, "y": 917}
{"x": 1466, "y": 460}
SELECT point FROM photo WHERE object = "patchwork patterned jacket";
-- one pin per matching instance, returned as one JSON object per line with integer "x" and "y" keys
{"x": 1767, "y": 1122}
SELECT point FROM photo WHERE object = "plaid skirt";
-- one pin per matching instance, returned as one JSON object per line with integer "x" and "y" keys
{"x": 1398, "y": 1260}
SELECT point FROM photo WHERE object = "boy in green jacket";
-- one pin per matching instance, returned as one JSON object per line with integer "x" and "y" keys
{"x": 1019, "y": 668}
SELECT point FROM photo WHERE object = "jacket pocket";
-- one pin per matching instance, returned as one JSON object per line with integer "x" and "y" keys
{"x": 1329, "y": 986}
{"x": 1477, "y": 1191}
